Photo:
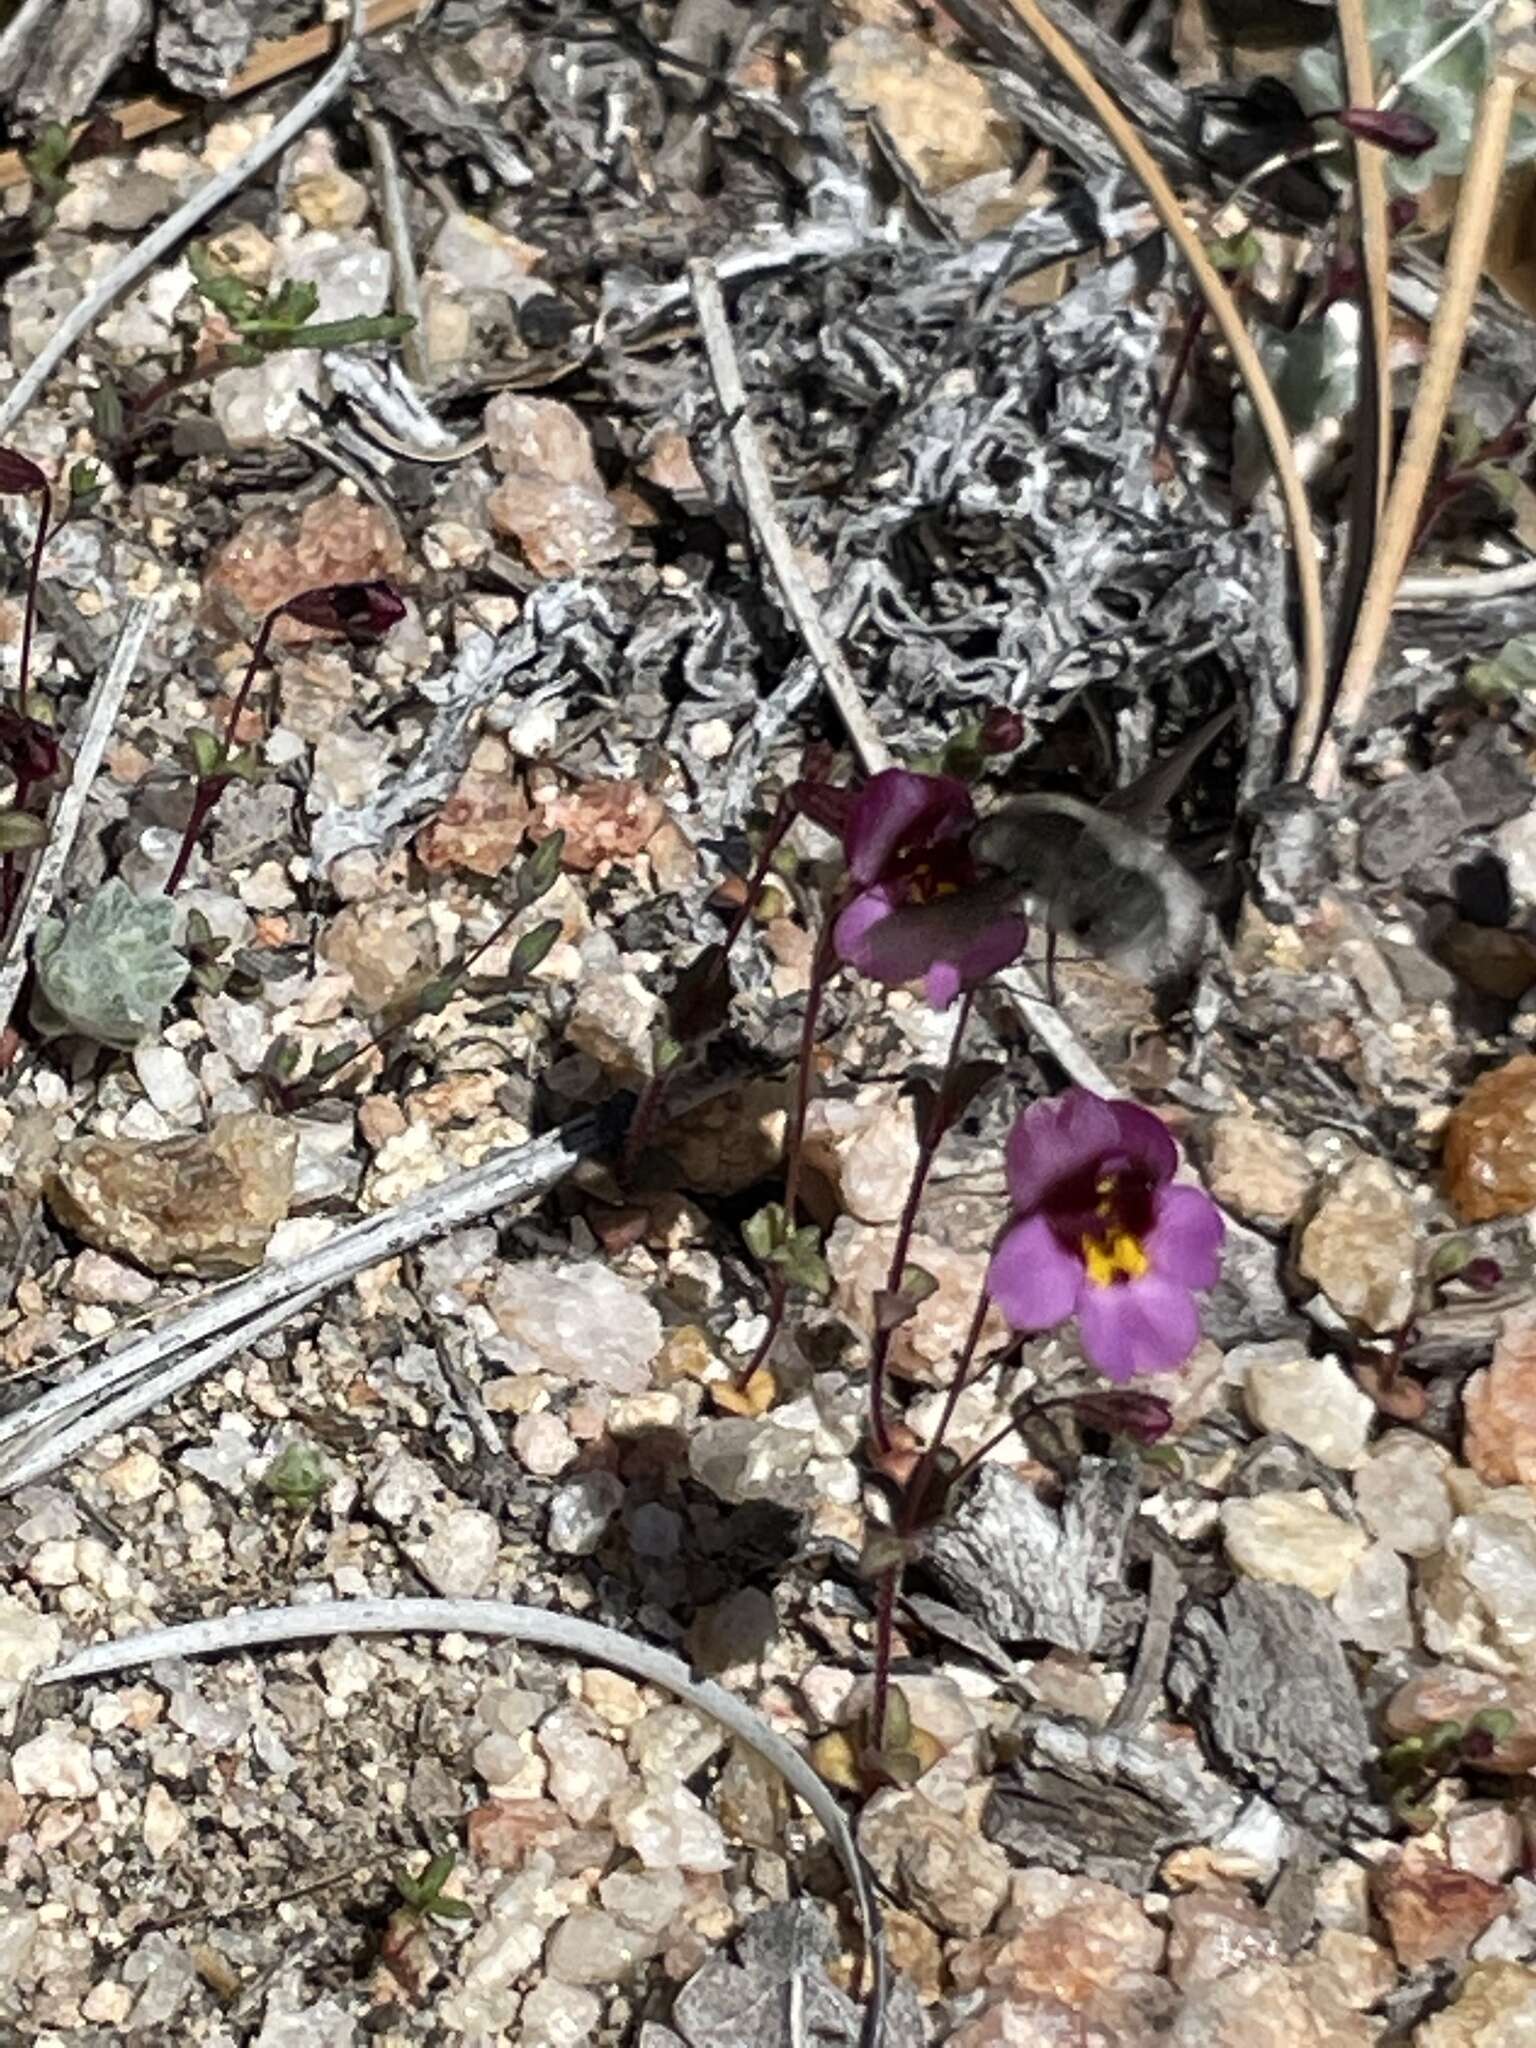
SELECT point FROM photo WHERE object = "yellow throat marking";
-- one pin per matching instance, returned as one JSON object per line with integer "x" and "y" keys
{"x": 1117, "y": 1257}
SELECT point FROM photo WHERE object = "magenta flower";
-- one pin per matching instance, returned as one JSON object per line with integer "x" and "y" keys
{"x": 922, "y": 910}
{"x": 1101, "y": 1233}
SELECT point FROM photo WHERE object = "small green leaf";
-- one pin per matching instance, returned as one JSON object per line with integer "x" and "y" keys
{"x": 20, "y": 831}
{"x": 764, "y": 1232}
{"x": 1236, "y": 254}
{"x": 205, "y": 750}
{"x": 297, "y": 1476}
{"x": 288, "y": 307}
{"x": 1498, "y": 1722}
{"x": 47, "y": 158}
{"x": 229, "y": 294}
{"x": 107, "y": 410}
{"x": 540, "y": 871}
{"x": 247, "y": 764}
{"x": 801, "y": 1262}
{"x": 86, "y": 483}
{"x": 444, "y": 1908}
{"x": 362, "y": 327}
{"x": 334, "y": 1060}
{"x": 534, "y": 946}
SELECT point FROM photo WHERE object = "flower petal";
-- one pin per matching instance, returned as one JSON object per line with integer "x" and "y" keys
{"x": 1145, "y": 1141}
{"x": 1056, "y": 1139}
{"x": 948, "y": 945}
{"x": 1033, "y": 1278}
{"x": 1184, "y": 1243}
{"x": 899, "y": 809}
{"x": 1136, "y": 1326}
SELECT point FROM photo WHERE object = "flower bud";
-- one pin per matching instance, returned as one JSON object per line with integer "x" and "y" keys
{"x": 20, "y": 473}
{"x": 1002, "y": 731}
{"x": 1390, "y": 128}
{"x": 363, "y": 612}
{"x": 1124, "y": 1412}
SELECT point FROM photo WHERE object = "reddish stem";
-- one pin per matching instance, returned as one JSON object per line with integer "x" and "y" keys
{"x": 1193, "y": 323}
{"x": 29, "y": 616}
{"x": 933, "y": 1137}
{"x": 209, "y": 788}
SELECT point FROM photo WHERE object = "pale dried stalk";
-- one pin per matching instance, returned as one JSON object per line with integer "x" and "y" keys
{"x": 1375, "y": 229}
{"x": 1064, "y": 54}
{"x": 144, "y": 255}
{"x": 322, "y": 1620}
{"x": 1426, "y": 422}
{"x": 768, "y": 528}
{"x": 47, "y": 870}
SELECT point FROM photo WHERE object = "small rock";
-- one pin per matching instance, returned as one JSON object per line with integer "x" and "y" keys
{"x": 164, "y": 1823}
{"x": 1479, "y": 1596}
{"x": 1291, "y": 1539}
{"x": 480, "y": 257}
{"x": 460, "y": 1554}
{"x": 330, "y": 199}
{"x": 740, "y": 1629}
{"x": 1432, "y": 1911}
{"x": 386, "y": 946}
{"x": 603, "y": 819}
{"x": 934, "y": 1861}
{"x": 1402, "y": 1495}
{"x": 580, "y": 1512}
{"x": 925, "y": 1346}
{"x": 1214, "y": 1932}
{"x": 544, "y": 1444}
{"x": 557, "y": 2015}
{"x": 1361, "y": 1246}
{"x": 503, "y": 1833}
{"x": 1311, "y": 1400}
{"x": 204, "y": 1204}
{"x": 585, "y": 1769}
{"x": 613, "y": 1021}
{"x": 272, "y": 557}
{"x": 939, "y": 114}
{"x": 1268, "y": 2005}
{"x": 576, "y": 1320}
{"x": 29, "y": 1643}
{"x": 482, "y": 825}
{"x": 1495, "y": 2007}
{"x": 95, "y": 1278}
{"x": 1490, "y": 1144}
{"x": 867, "y": 1149}
{"x": 1451, "y": 1692}
{"x": 54, "y": 1766}
{"x": 668, "y": 1828}
{"x": 1258, "y": 1171}
{"x": 1406, "y": 823}
{"x": 1487, "y": 1840}
{"x": 592, "y": 1947}
{"x": 1371, "y": 1606}
{"x": 1499, "y": 1407}
{"x": 553, "y": 501}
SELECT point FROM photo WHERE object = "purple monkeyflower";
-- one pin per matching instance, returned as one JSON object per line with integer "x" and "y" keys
{"x": 1101, "y": 1232}
{"x": 921, "y": 910}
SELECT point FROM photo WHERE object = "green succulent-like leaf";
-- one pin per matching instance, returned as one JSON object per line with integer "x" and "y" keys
{"x": 20, "y": 831}
{"x": 231, "y": 295}
{"x": 534, "y": 946}
{"x": 359, "y": 328}
{"x": 1403, "y": 31}
{"x": 297, "y": 1476}
{"x": 47, "y": 158}
{"x": 1510, "y": 673}
{"x": 109, "y": 970}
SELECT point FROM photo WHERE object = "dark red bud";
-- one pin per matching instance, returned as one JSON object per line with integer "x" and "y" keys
{"x": 1482, "y": 1275}
{"x": 1391, "y": 129}
{"x": 1002, "y": 731}
{"x": 28, "y": 748}
{"x": 824, "y": 803}
{"x": 20, "y": 473}
{"x": 1121, "y": 1412}
{"x": 361, "y": 611}
{"x": 1402, "y": 213}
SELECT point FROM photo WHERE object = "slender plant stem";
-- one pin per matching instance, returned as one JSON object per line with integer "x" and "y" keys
{"x": 1375, "y": 249}
{"x": 209, "y": 788}
{"x": 1068, "y": 59}
{"x": 927, "y": 1152}
{"x": 29, "y": 615}
{"x": 1447, "y": 337}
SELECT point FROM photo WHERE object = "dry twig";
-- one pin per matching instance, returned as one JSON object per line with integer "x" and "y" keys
{"x": 321, "y": 1620}
{"x": 768, "y": 528}
{"x": 1447, "y": 337}
{"x": 146, "y": 254}
{"x": 1375, "y": 236}
{"x": 47, "y": 870}
{"x": 1064, "y": 54}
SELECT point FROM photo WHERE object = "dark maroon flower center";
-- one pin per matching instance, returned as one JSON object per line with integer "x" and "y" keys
{"x": 1109, "y": 1200}
{"x": 929, "y": 872}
